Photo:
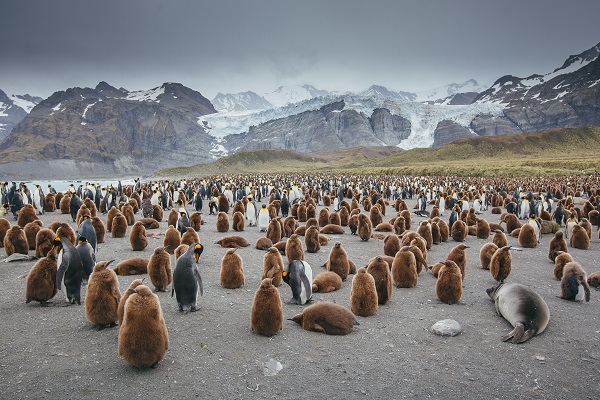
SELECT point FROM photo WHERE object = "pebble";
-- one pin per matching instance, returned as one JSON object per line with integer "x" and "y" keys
{"x": 446, "y": 327}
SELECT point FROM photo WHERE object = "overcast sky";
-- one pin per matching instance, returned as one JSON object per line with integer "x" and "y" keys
{"x": 234, "y": 46}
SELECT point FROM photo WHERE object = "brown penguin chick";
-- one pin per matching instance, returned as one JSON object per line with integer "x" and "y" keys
{"x": 384, "y": 227}
{"x": 331, "y": 229}
{"x": 326, "y": 317}
{"x": 472, "y": 230}
{"x": 448, "y": 287}
{"x": 399, "y": 225}
{"x": 99, "y": 228}
{"x": 173, "y": 217}
{"x": 15, "y": 241}
{"x": 238, "y": 221}
{"x": 594, "y": 280}
{"x": 363, "y": 295}
{"x": 57, "y": 199}
{"x": 419, "y": 256}
{"x": 459, "y": 256}
{"x": 375, "y": 216}
{"x": 109, "y": 217}
{"x": 494, "y": 227}
{"x": 274, "y": 231}
{"x": 435, "y": 212}
{"x": 344, "y": 216}
{"x": 404, "y": 269}
{"x": 499, "y": 238}
{"x": 157, "y": 212}
{"x": 65, "y": 204}
{"x": 424, "y": 230}
{"x": 483, "y": 229}
{"x": 511, "y": 221}
{"x": 382, "y": 205}
{"x": 579, "y": 238}
{"x": 119, "y": 226}
{"x": 326, "y": 282}
{"x": 289, "y": 226}
{"x": 302, "y": 213}
{"x": 172, "y": 239}
{"x": 82, "y": 212}
{"x": 391, "y": 245}
{"x": 43, "y": 242}
{"x": 353, "y": 224}
{"x": 562, "y": 258}
{"x": 239, "y": 207}
{"x": 31, "y": 230}
{"x": 149, "y": 223}
{"x": 594, "y": 217}
{"x": 293, "y": 249}
{"x": 435, "y": 268}
{"x": 335, "y": 219}
{"x": 527, "y": 237}
{"x": 459, "y": 231}
{"x": 485, "y": 254}
{"x": 407, "y": 219}
{"x": 190, "y": 237}
{"x": 41, "y": 281}
{"x": 501, "y": 264}
{"x": 132, "y": 266}
{"x": 471, "y": 219}
{"x": 365, "y": 228}
{"x": 222, "y": 222}
{"x": 159, "y": 269}
{"x": 102, "y": 296}
{"x": 196, "y": 220}
{"x": 127, "y": 211}
{"x": 338, "y": 261}
{"x": 323, "y": 240}
{"x": 273, "y": 266}
{"x": 232, "y": 241}
{"x": 137, "y": 237}
{"x": 4, "y": 227}
{"x": 143, "y": 337}
{"x": 49, "y": 203}
{"x": 232, "y": 270}
{"x": 557, "y": 243}
{"x": 181, "y": 249}
{"x": 380, "y": 270}
{"x": 263, "y": 243}
{"x": 444, "y": 229}
{"x": 222, "y": 203}
{"x": 389, "y": 260}
{"x": 573, "y": 284}
{"x": 266, "y": 316}
{"x": 311, "y": 240}
{"x": 419, "y": 242}
{"x": 26, "y": 215}
{"x": 436, "y": 236}
{"x": 65, "y": 230}
{"x": 585, "y": 224}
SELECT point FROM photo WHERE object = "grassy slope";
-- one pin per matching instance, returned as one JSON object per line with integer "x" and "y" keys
{"x": 567, "y": 151}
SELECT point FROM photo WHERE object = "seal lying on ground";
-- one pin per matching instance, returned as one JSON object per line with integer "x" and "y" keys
{"x": 523, "y": 308}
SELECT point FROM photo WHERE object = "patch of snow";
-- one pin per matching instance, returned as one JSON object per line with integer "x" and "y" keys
{"x": 574, "y": 66}
{"x": 443, "y": 92}
{"x": 22, "y": 103}
{"x": 595, "y": 83}
{"x": 146, "y": 95}
{"x": 85, "y": 112}
{"x": 57, "y": 108}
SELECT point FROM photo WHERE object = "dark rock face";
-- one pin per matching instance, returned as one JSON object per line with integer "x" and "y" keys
{"x": 449, "y": 131}
{"x": 11, "y": 114}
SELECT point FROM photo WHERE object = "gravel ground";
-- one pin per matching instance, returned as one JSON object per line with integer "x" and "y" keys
{"x": 54, "y": 352}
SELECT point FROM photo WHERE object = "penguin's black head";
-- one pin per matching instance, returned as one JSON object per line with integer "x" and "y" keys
{"x": 198, "y": 249}
{"x": 82, "y": 239}
{"x": 56, "y": 242}
{"x": 182, "y": 214}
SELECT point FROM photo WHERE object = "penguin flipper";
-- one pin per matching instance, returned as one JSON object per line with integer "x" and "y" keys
{"x": 60, "y": 273}
{"x": 199, "y": 280}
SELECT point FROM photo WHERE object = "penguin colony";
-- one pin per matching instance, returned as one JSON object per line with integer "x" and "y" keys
{"x": 403, "y": 255}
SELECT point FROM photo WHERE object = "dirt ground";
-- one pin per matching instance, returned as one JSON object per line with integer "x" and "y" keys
{"x": 54, "y": 352}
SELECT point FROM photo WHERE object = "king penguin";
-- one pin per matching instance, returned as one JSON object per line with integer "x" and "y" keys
{"x": 187, "y": 279}
{"x": 71, "y": 268}
{"x": 298, "y": 274}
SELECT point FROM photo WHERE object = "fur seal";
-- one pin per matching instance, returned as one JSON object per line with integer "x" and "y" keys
{"x": 363, "y": 294}
{"x": 573, "y": 284}
{"x": 326, "y": 317}
{"x": 523, "y": 308}
{"x": 298, "y": 275}
{"x": 187, "y": 280}
{"x": 232, "y": 270}
{"x": 266, "y": 316}
{"x": 103, "y": 296}
{"x": 143, "y": 338}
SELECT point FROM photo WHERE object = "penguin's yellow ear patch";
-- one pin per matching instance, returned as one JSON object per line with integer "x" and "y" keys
{"x": 198, "y": 246}
{"x": 284, "y": 273}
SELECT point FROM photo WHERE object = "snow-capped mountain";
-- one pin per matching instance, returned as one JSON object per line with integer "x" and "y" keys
{"x": 285, "y": 95}
{"x": 446, "y": 94}
{"x": 240, "y": 102}
{"x": 13, "y": 109}
{"x": 385, "y": 93}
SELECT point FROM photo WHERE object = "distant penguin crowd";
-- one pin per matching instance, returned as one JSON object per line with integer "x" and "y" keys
{"x": 295, "y": 215}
